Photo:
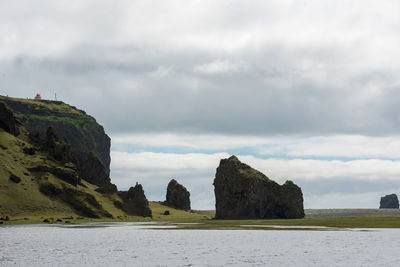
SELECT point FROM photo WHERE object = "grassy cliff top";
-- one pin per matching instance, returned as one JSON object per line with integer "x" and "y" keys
{"x": 54, "y": 106}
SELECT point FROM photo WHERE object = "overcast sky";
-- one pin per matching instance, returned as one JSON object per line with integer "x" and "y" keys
{"x": 301, "y": 90}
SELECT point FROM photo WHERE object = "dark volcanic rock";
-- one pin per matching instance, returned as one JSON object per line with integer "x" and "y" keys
{"x": 135, "y": 201}
{"x": 242, "y": 192}
{"x": 177, "y": 196}
{"x": 67, "y": 175}
{"x": 389, "y": 202}
{"x": 93, "y": 171}
{"x": 15, "y": 178}
{"x": 8, "y": 122}
{"x": 60, "y": 150}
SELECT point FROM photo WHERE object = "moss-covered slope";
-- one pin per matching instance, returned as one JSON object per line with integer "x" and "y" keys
{"x": 32, "y": 183}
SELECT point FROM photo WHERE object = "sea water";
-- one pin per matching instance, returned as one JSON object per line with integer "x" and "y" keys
{"x": 133, "y": 244}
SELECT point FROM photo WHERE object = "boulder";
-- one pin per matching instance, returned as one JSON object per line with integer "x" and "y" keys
{"x": 135, "y": 201}
{"x": 15, "y": 178}
{"x": 8, "y": 122}
{"x": 242, "y": 192}
{"x": 177, "y": 196}
{"x": 389, "y": 202}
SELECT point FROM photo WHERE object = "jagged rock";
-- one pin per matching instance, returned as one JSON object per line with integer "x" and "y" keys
{"x": 60, "y": 150}
{"x": 389, "y": 202}
{"x": 15, "y": 178}
{"x": 177, "y": 196}
{"x": 8, "y": 122}
{"x": 135, "y": 201}
{"x": 242, "y": 192}
{"x": 67, "y": 175}
{"x": 93, "y": 171}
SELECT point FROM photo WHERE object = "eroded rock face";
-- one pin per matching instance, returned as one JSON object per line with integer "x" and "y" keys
{"x": 8, "y": 122}
{"x": 177, "y": 196}
{"x": 242, "y": 192}
{"x": 135, "y": 201}
{"x": 81, "y": 131}
{"x": 93, "y": 171}
{"x": 389, "y": 202}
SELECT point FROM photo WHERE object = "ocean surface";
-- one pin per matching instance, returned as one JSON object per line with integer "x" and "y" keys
{"x": 135, "y": 244}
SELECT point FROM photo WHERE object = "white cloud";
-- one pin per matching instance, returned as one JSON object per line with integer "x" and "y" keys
{"x": 219, "y": 66}
{"x": 335, "y": 146}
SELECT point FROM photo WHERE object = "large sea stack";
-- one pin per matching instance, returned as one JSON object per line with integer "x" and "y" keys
{"x": 177, "y": 196}
{"x": 389, "y": 202}
{"x": 242, "y": 192}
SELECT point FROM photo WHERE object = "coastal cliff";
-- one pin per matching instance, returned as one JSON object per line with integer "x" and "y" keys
{"x": 53, "y": 167}
{"x": 88, "y": 141}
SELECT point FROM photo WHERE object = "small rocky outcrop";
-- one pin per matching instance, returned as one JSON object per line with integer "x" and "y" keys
{"x": 242, "y": 192}
{"x": 135, "y": 201}
{"x": 177, "y": 196}
{"x": 81, "y": 202}
{"x": 389, "y": 202}
{"x": 8, "y": 122}
{"x": 66, "y": 174}
{"x": 15, "y": 179}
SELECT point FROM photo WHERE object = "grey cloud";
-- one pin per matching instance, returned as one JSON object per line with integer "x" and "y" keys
{"x": 269, "y": 98}
{"x": 307, "y": 72}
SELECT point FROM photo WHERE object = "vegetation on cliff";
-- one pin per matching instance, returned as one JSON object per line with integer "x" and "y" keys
{"x": 43, "y": 175}
{"x": 88, "y": 141}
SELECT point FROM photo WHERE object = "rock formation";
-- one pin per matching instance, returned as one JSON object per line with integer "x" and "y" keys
{"x": 8, "y": 122}
{"x": 389, "y": 202}
{"x": 242, "y": 192}
{"x": 93, "y": 171}
{"x": 86, "y": 139}
{"x": 177, "y": 196}
{"x": 135, "y": 202}
{"x": 37, "y": 167}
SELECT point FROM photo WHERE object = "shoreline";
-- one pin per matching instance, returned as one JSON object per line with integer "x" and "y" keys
{"x": 333, "y": 218}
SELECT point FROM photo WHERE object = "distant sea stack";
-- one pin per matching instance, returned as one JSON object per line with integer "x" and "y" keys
{"x": 389, "y": 202}
{"x": 177, "y": 196}
{"x": 242, "y": 192}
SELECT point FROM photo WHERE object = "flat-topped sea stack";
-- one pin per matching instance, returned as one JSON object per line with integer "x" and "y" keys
{"x": 242, "y": 192}
{"x": 389, "y": 202}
